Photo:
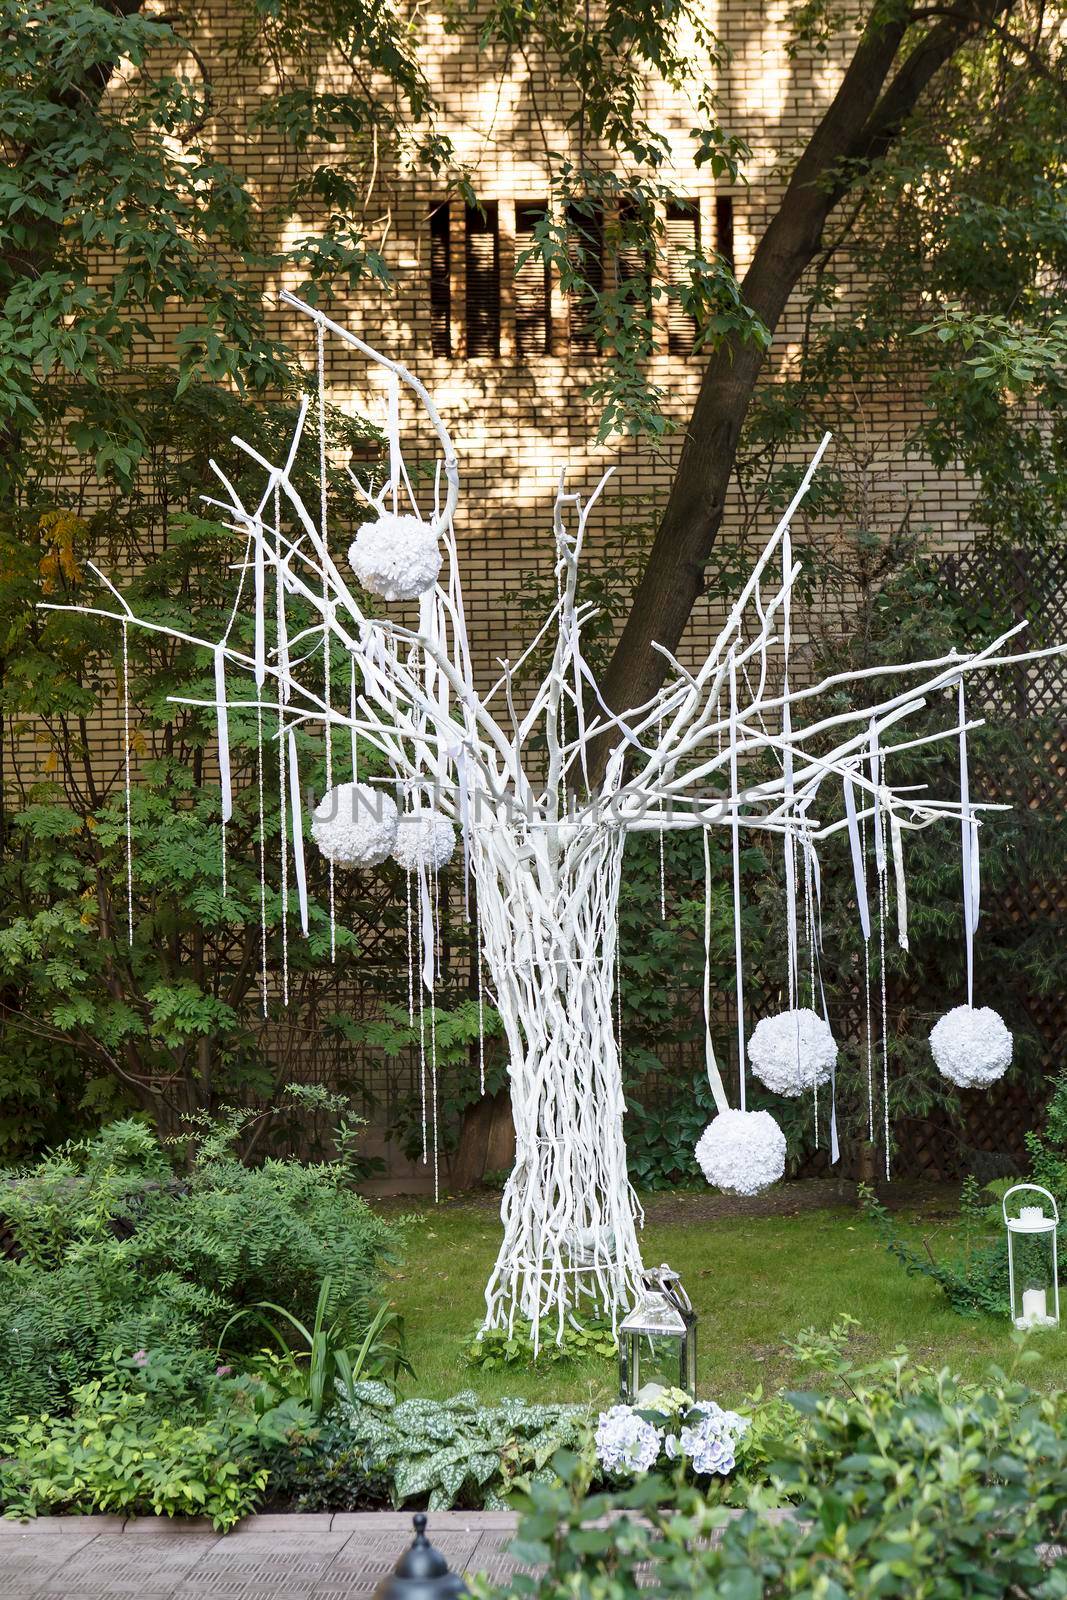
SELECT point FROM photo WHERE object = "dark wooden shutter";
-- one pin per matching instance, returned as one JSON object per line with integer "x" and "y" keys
{"x": 440, "y": 280}
{"x": 635, "y": 260}
{"x": 533, "y": 290}
{"x": 724, "y": 228}
{"x": 683, "y": 241}
{"x": 483, "y": 280}
{"x": 585, "y": 236}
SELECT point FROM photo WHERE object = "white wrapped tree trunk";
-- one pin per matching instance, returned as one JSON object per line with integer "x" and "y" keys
{"x": 549, "y": 909}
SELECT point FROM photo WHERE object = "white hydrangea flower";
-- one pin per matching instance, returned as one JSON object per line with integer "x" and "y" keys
{"x": 972, "y": 1046}
{"x": 625, "y": 1442}
{"x": 742, "y": 1152}
{"x": 424, "y": 838}
{"x": 397, "y": 557}
{"x": 792, "y": 1051}
{"x": 710, "y": 1441}
{"x": 355, "y": 825}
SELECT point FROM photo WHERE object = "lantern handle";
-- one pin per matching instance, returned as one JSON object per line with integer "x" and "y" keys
{"x": 1034, "y": 1188}
{"x": 670, "y": 1285}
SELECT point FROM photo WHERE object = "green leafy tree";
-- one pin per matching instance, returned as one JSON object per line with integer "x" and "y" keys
{"x": 115, "y": 206}
{"x": 921, "y": 227}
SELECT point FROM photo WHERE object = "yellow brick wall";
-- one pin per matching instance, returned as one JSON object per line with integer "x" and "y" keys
{"x": 515, "y": 420}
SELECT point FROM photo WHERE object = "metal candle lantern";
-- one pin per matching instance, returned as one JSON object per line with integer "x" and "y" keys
{"x": 1034, "y": 1281}
{"x": 421, "y": 1573}
{"x": 658, "y": 1338}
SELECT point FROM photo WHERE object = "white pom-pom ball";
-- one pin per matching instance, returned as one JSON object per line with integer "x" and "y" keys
{"x": 972, "y": 1046}
{"x": 424, "y": 839}
{"x": 742, "y": 1152}
{"x": 792, "y": 1051}
{"x": 355, "y": 825}
{"x": 397, "y": 557}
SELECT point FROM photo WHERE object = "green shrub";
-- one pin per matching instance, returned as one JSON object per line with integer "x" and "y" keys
{"x": 119, "y": 1254}
{"x": 495, "y": 1348}
{"x": 974, "y": 1280}
{"x": 321, "y": 1362}
{"x": 116, "y": 1453}
{"x": 913, "y": 1486}
{"x": 439, "y": 1453}
{"x": 1048, "y": 1149}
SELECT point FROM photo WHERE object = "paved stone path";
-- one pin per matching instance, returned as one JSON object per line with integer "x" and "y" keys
{"x": 341, "y": 1557}
{"x": 310, "y": 1557}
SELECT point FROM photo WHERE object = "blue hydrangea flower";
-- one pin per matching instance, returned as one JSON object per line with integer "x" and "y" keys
{"x": 625, "y": 1442}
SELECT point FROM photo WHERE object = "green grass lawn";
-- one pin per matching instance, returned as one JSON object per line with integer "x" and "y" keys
{"x": 755, "y": 1283}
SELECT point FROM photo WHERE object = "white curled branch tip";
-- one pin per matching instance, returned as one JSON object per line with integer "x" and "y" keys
{"x": 443, "y": 515}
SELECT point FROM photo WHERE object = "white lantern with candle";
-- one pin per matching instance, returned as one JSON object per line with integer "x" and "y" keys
{"x": 1033, "y": 1259}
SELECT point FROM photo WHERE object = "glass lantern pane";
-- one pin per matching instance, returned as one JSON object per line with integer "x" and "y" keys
{"x": 1034, "y": 1297}
{"x": 659, "y": 1357}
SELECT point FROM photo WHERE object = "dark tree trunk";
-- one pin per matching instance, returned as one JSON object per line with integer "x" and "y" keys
{"x": 869, "y": 110}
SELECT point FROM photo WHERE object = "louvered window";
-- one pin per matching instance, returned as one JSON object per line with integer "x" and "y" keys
{"x": 724, "y": 228}
{"x": 635, "y": 258}
{"x": 683, "y": 241}
{"x": 533, "y": 324}
{"x": 585, "y": 236}
{"x": 440, "y": 280}
{"x": 483, "y": 280}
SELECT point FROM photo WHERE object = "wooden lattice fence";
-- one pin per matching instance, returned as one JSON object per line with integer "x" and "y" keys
{"x": 987, "y": 1134}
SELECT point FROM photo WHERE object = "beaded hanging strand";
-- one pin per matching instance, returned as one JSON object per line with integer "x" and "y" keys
{"x": 127, "y": 779}
{"x": 283, "y": 801}
{"x": 618, "y": 981}
{"x": 422, "y": 1035}
{"x": 433, "y": 1029}
{"x": 411, "y": 955}
{"x": 327, "y": 620}
{"x": 809, "y": 931}
{"x": 883, "y": 908}
{"x": 662, "y": 859}
{"x": 788, "y": 775}
{"x": 868, "y": 1022}
{"x": 481, "y": 990}
{"x": 262, "y": 858}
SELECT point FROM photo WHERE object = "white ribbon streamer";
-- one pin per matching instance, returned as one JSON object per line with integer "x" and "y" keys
{"x": 259, "y": 648}
{"x": 968, "y": 838}
{"x": 427, "y": 941}
{"x": 896, "y": 839}
{"x": 718, "y": 1091}
{"x": 222, "y": 717}
{"x": 816, "y": 880}
{"x": 296, "y": 807}
{"x": 735, "y": 829}
{"x": 859, "y": 871}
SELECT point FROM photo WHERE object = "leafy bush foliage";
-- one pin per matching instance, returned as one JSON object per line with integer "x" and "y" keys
{"x": 1048, "y": 1148}
{"x": 116, "y": 1453}
{"x": 323, "y": 1358}
{"x": 908, "y": 1484}
{"x": 120, "y": 1254}
{"x": 439, "y": 1453}
{"x": 495, "y": 1348}
{"x": 975, "y": 1280}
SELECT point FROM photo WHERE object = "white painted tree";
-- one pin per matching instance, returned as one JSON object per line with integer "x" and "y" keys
{"x": 511, "y": 768}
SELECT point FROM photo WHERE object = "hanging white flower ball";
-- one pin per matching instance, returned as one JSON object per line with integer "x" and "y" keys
{"x": 742, "y": 1152}
{"x": 424, "y": 839}
{"x": 792, "y": 1051}
{"x": 355, "y": 825}
{"x": 397, "y": 557}
{"x": 971, "y": 1046}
